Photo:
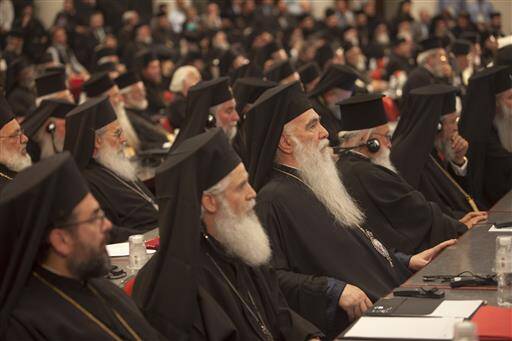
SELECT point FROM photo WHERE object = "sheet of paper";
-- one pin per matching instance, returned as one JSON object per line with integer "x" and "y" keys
{"x": 451, "y": 308}
{"x": 503, "y": 229}
{"x": 121, "y": 250}
{"x": 395, "y": 328}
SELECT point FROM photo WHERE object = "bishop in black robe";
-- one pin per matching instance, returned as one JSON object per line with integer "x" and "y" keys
{"x": 414, "y": 155}
{"x": 129, "y": 205}
{"x": 42, "y": 297}
{"x": 220, "y": 297}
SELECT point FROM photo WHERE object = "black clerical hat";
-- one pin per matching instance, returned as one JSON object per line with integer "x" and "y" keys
{"x": 106, "y": 67}
{"x": 98, "y": 84}
{"x": 6, "y": 113}
{"x": 126, "y": 79}
{"x": 50, "y": 82}
{"x": 449, "y": 92}
{"x": 309, "y": 72}
{"x": 279, "y": 71}
{"x": 247, "y": 90}
{"x": 57, "y": 68}
{"x": 82, "y": 124}
{"x": 201, "y": 97}
{"x": 226, "y": 61}
{"x": 415, "y": 134}
{"x": 265, "y": 52}
{"x": 146, "y": 57}
{"x": 397, "y": 41}
{"x": 362, "y": 112}
{"x": 504, "y": 56}
{"x": 48, "y": 108}
{"x": 347, "y": 46}
{"x": 323, "y": 54}
{"x": 504, "y": 79}
{"x": 195, "y": 166}
{"x": 38, "y": 198}
{"x": 461, "y": 47}
{"x": 104, "y": 52}
{"x": 264, "y": 125}
{"x": 336, "y": 76}
{"x": 430, "y": 44}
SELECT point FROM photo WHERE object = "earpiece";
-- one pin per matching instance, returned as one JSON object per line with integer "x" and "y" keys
{"x": 211, "y": 122}
{"x": 50, "y": 128}
{"x": 373, "y": 146}
{"x": 439, "y": 127}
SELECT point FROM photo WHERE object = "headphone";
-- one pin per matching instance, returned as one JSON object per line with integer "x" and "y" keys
{"x": 211, "y": 121}
{"x": 373, "y": 146}
{"x": 439, "y": 127}
{"x": 50, "y": 129}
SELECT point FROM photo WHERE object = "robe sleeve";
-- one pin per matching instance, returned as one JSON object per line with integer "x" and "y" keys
{"x": 306, "y": 294}
{"x": 16, "y": 331}
{"x": 420, "y": 223}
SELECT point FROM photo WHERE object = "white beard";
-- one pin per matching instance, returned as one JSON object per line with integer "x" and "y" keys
{"x": 319, "y": 172}
{"x": 242, "y": 236}
{"x": 16, "y": 161}
{"x": 116, "y": 161}
{"x": 445, "y": 147}
{"x": 503, "y": 124}
{"x": 131, "y": 135}
{"x": 382, "y": 159}
{"x": 138, "y": 105}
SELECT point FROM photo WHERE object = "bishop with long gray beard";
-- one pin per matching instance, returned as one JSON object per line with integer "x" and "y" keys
{"x": 13, "y": 145}
{"x": 374, "y": 183}
{"x": 96, "y": 140}
{"x": 210, "y": 280}
{"x": 330, "y": 266}
{"x": 487, "y": 124}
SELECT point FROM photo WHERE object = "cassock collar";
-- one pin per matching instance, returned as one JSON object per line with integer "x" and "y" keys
{"x": 218, "y": 249}
{"x": 287, "y": 169}
{"x": 60, "y": 281}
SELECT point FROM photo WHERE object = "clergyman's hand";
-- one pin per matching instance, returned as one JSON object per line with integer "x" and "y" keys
{"x": 472, "y": 218}
{"x": 354, "y": 301}
{"x": 460, "y": 148}
{"x": 418, "y": 261}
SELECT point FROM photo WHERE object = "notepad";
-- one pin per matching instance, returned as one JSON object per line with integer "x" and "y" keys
{"x": 463, "y": 308}
{"x": 121, "y": 250}
{"x": 396, "y": 328}
{"x": 503, "y": 229}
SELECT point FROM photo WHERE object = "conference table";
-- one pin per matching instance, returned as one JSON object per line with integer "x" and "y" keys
{"x": 474, "y": 252}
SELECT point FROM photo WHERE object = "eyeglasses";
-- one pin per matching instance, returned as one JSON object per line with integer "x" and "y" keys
{"x": 99, "y": 216}
{"x": 18, "y": 134}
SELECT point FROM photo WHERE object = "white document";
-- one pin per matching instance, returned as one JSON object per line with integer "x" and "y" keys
{"x": 121, "y": 250}
{"x": 396, "y": 328}
{"x": 503, "y": 229}
{"x": 451, "y": 308}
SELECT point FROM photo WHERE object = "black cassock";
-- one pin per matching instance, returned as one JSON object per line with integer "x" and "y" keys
{"x": 42, "y": 314}
{"x": 328, "y": 120}
{"x": 397, "y": 213}
{"x": 128, "y": 211}
{"x": 258, "y": 287}
{"x": 497, "y": 179}
{"x": 177, "y": 111}
{"x": 309, "y": 247}
{"x": 417, "y": 78}
{"x": 5, "y": 176}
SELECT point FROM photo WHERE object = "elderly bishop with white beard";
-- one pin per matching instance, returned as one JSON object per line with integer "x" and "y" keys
{"x": 13, "y": 145}
{"x": 487, "y": 124}
{"x": 97, "y": 142}
{"x": 398, "y": 214}
{"x": 330, "y": 266}
{"x": 210, "y": 279}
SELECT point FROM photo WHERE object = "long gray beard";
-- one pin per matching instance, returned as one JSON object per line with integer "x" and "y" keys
{"x": 116, "y": 161}
{"x": 503, "y": 124}
{"x": 383, "y": 159}
{"x": 445, "y": 147}
{"x": 319, "y": 172}
{"x": 16, "y": 161}
{"x": 242, "y": 236}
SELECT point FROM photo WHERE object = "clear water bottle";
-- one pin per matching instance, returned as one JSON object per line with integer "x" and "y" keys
{"x": 503, "y": 269}
{"x": 138, "y": 252}
{"x": 465, "y": 331}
